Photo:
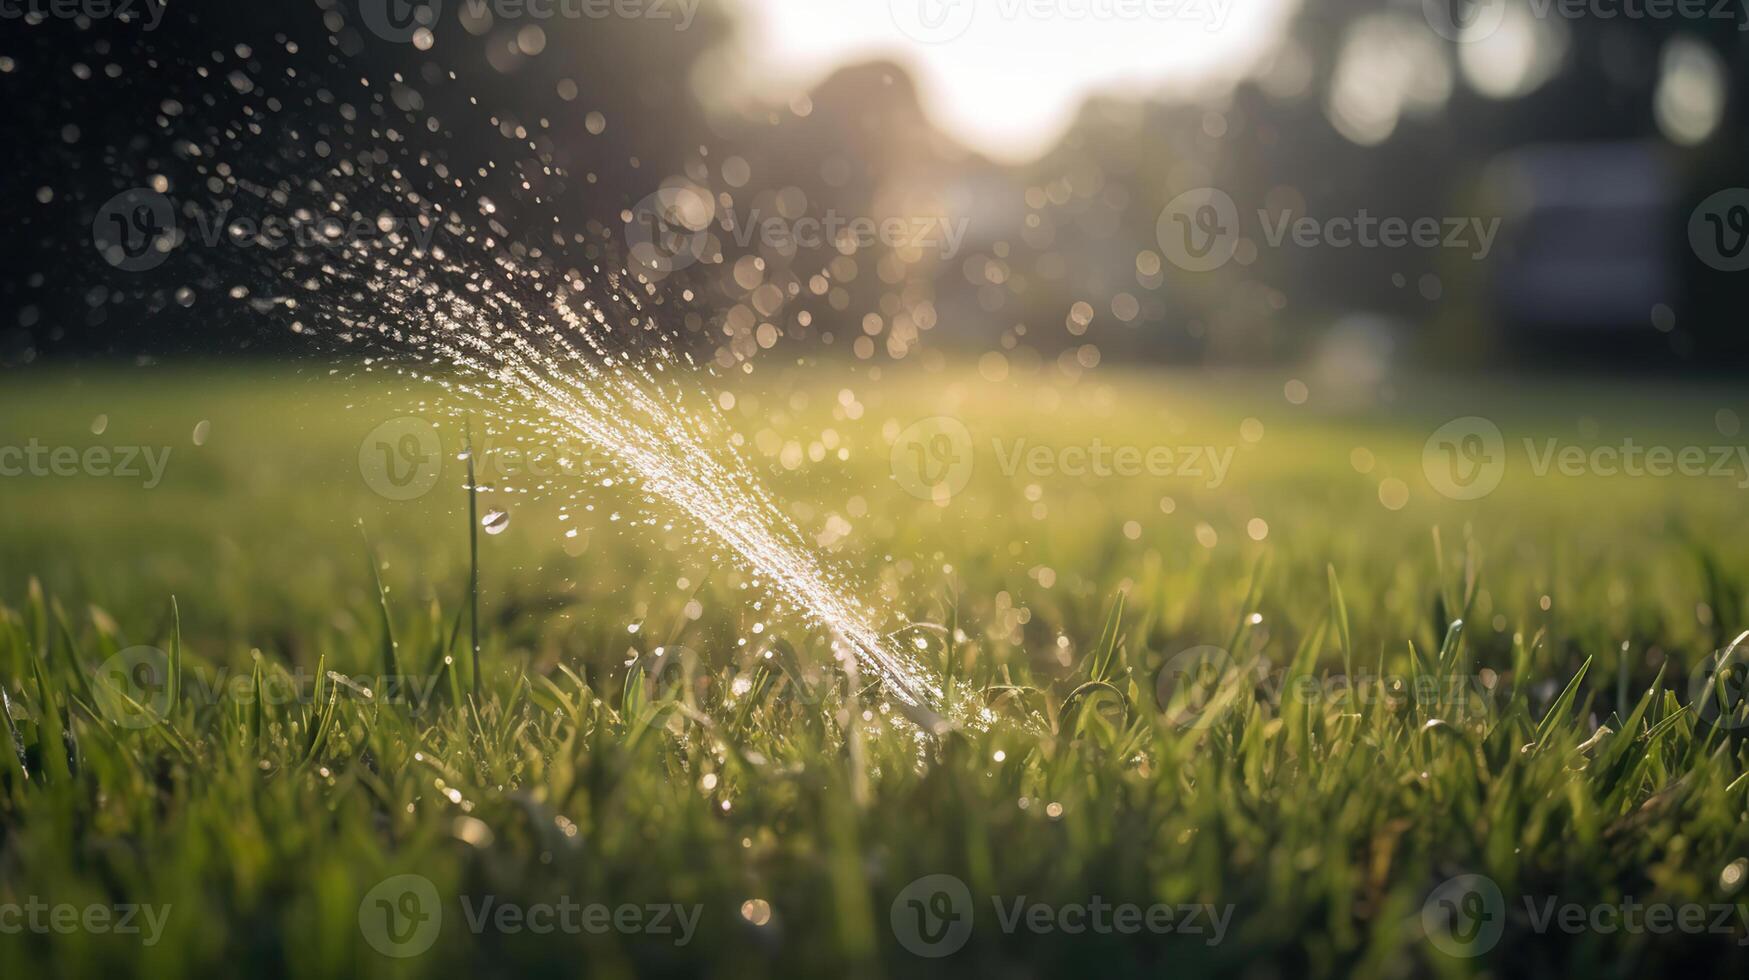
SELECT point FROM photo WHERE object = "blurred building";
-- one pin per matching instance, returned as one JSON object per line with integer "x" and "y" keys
{"x": 1588, "y": 239}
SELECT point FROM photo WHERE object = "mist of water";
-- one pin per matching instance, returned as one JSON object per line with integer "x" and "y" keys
{"x": 468, "y": 278}
{"x": 558, "y": 365}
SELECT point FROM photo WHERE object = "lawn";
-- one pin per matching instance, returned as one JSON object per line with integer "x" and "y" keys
{"x": 1230, "y": 727}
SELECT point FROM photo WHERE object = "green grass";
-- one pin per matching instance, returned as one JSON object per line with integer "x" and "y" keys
{"x": 752, "y": 774}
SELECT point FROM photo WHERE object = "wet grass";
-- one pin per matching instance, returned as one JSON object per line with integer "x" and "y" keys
{"x": 1288, "y": 730}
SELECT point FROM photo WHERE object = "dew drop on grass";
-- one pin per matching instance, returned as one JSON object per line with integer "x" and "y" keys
{"x": 495, "y": 521}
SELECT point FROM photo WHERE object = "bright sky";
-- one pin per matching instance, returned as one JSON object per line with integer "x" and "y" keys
{"x": 1006, "y": 76}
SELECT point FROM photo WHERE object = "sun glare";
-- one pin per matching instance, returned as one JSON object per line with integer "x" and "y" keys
{"x": 1003, "y": 76}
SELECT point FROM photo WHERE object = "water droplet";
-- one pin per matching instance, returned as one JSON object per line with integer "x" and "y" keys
{"x": 756, "y": 911}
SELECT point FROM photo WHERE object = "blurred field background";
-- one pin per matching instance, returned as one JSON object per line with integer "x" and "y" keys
{"x": 1599, "y": 144}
